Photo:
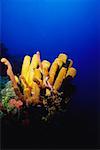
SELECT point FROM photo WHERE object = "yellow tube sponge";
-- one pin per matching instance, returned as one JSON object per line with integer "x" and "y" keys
{"x": 45, "y": 72}
{"x": 52, "y": 72}
{"x": 71, "y": 63}
{"x": 39, "y": 60}
{"x": 27, "y": 93}
{"x": 63, "y": 57}
{"x": 71, "y": 72}
{"x": 45, "y": 64}
{"x": 34, "y": 62}
{"x": 45, "y": 67}
{"x": 59, "y": 79}
{"x": 16, "y": 78}
{"x": 30, "y": 73}
{"x": 35, "y": 93}
{"x": 59, "y": 62}
{"x": 30, "y": 77}
{"x": 37, "y": 73}
{"x": 48, "y": 92}
{"x": 37, "y": 76}
{"x": 25, "y": 66}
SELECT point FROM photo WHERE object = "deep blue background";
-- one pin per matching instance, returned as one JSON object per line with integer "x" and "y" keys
{"x": 54, "y": 26}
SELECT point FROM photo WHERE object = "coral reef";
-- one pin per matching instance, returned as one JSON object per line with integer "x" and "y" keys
{"x": 38, "y": 84}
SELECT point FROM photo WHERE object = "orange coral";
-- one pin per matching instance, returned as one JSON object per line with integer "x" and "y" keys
{"x": 12, "y": 77}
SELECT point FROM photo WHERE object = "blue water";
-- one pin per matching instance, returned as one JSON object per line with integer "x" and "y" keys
{"x": 54, "y": 26}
